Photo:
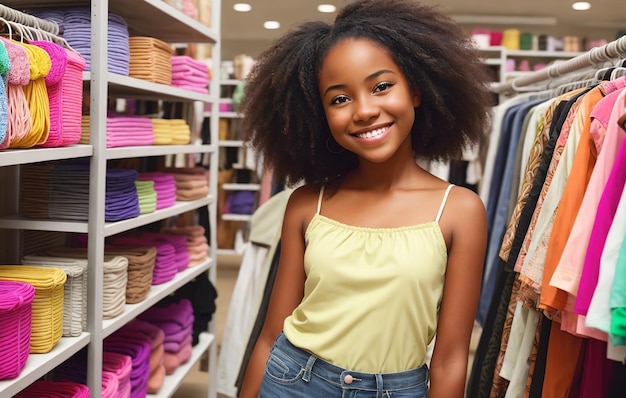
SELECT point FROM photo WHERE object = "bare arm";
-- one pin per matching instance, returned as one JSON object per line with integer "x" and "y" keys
{"x": 467, "y": 234}
{"x": 288, "y": 288}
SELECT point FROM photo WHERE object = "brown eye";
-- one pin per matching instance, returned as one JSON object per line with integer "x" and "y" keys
{"x": 382, "y": 87}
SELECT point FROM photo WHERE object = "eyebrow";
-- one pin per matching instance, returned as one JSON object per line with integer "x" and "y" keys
{"x": 369, "y": 78}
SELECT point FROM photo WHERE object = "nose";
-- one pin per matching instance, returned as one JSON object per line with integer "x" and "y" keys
{"x": 365, "y": 109}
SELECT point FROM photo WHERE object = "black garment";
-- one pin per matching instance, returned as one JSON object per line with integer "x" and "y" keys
{"x": 202, "y": 295}
{"x": 536, "y": 385}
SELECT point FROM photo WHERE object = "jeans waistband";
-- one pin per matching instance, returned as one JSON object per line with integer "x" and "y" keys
{"x": 349, "y": 379}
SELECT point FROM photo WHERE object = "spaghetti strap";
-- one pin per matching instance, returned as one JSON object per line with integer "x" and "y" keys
{"x": 319, "y": 200}
{"x": 443, "y": 202}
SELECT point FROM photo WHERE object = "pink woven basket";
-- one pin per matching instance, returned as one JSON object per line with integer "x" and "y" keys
{"x": 15, "y": 326}
{"x": 72, "y": 92}
{"x": 55, "y": 389}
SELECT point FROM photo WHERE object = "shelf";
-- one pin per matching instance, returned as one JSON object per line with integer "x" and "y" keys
{"x": 154, "y": 18}
{"x": 157, "y": 150}
{"x": 129, "y": 87}
{"x": 230, "y": 82}
{"x": 179, "y": 207}
{"x": 39, "y": 365}
{"x": 231, "y": 143}
{"x": 236, "y": 217}
{"x": 37, "y": 224}
{"x": 111, "y": 228}
{"x": 541, "y": 54}
{"x": 173, "y": 381}
{"x": 241, "y": 187}
{"x": 12, "y": 157}
{"x": 230, "y": 115}
{"x": 157, "y": 292}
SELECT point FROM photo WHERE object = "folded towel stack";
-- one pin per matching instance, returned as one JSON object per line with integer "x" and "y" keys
{"x": 190, "y": 74}
{"x": 197, "y": 243}
{"x": 171, "y": 131}
{"x": 150, "y": 60}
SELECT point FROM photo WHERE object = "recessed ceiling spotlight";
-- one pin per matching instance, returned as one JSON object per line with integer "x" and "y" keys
{"x": 326, "y": 8}
{"x": 271, "y": 24}
{"x": 581, "y": 6}
{"x": 242, "y": 7}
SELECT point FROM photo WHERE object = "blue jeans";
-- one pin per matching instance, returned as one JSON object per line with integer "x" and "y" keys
{"x": 291, "y": 372}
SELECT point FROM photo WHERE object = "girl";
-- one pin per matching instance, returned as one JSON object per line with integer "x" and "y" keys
{"x": 377, "y": 255}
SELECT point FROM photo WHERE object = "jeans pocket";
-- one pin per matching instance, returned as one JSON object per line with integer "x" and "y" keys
{"x": 281, "y": 368}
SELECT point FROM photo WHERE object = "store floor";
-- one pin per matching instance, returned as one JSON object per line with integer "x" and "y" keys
{"x": 195, "y": 384}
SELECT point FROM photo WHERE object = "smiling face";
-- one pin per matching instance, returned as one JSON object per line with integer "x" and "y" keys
{"x": 367, "y": 100}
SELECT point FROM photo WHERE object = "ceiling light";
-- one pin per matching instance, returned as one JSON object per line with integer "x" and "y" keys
{"x": 242, "y": 7}
{"x": 581, "y": 6}
{"x": 271, "y": 24}
{"x": 326, "y": 8}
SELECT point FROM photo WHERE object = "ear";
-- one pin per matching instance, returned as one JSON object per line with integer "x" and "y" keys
{"x": 416, "y": 97}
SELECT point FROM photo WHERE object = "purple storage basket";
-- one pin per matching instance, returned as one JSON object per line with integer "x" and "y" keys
{"x": 16, "y": 312}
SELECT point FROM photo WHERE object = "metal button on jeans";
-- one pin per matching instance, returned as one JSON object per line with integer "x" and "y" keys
{"x": 348, "y": 379}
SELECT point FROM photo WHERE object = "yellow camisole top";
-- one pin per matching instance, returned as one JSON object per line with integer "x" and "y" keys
{"x": 371, "y": 295}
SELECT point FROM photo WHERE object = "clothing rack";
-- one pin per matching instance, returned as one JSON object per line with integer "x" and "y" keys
{"x": 13, "y": 15}
{"x": 594, "y": 57}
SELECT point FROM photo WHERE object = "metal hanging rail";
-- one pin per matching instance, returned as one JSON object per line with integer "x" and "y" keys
{"x": 595, "y": 56}
{"x": 22, "y": 18}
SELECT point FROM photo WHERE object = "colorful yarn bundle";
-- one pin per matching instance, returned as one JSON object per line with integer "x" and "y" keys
{"x": 18, "y": 123}
{"x": 47, "y": 319}
{"x": 55, "y": 389}
{"x": 37, "y": 98}
{"x": 15, "y": 326}
{"x": 5, "y": 65}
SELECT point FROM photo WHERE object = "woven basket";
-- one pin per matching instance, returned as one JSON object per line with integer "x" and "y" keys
{"x": 47, "y": 319}
{"x": 16, "y": 311}
{"x": 54, "y": 389}
{"x": 75, "y": 290}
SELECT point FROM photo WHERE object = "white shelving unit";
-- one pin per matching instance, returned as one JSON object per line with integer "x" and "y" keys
{"x": 239, "y": 144}
{"x": 153, "y": 18}
{"x": 496, "y": 57}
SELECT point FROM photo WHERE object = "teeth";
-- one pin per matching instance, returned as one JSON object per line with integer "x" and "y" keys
{"x": 372, "y": 133}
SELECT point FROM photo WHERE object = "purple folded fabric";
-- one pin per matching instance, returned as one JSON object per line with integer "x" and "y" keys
{"x": 179, "y": 312}
{"x": 137, "y": 346}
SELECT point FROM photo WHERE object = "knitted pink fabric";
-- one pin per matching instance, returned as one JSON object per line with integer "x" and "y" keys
{"x": 58, "y": 57}
{"x": 72, "y": 89}
{"x": 19, "y": 123}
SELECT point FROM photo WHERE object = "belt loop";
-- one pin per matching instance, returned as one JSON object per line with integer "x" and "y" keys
{"x": 307, "y": 369}
{"x": 379, "y": 385}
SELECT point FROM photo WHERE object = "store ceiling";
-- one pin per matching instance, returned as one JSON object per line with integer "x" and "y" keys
{"x": 604, "y": 14}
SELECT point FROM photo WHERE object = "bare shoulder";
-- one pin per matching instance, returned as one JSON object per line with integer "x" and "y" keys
{"x": 302, "y": 204}
{"x": 464, "y": 216}
{"x": 463, "y": 201}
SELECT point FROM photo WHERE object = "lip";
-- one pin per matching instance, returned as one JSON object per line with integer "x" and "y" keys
{"x": 375, "y": 140}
